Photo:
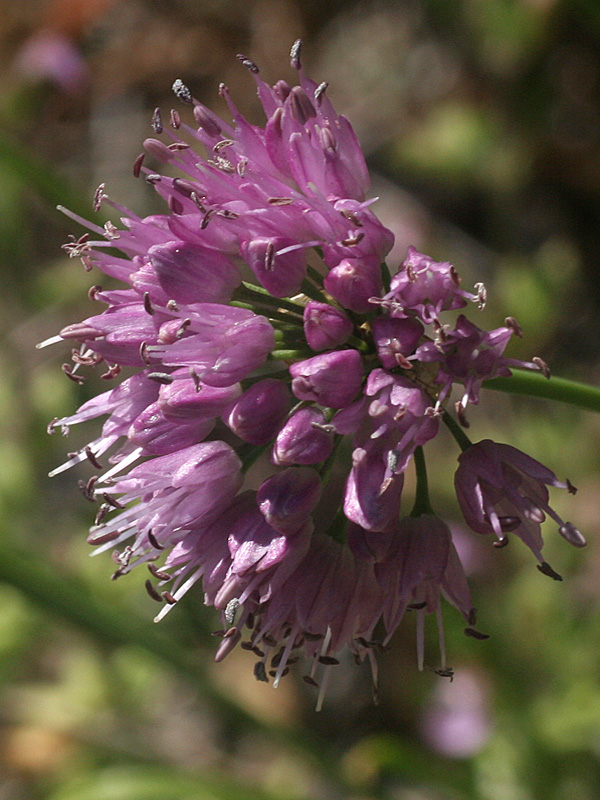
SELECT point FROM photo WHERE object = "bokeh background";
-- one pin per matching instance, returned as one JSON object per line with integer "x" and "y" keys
{"x": 481, "y": 123}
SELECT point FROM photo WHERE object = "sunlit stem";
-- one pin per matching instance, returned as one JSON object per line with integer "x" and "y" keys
{"x": 534, "y": 384}
{"x": 251, "y": 292}
{"x": 270, "y": 313}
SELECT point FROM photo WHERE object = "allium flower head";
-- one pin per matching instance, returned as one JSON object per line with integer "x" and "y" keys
{"x": 257, "y": 322}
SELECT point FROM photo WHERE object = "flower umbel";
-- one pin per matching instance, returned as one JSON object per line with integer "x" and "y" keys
{"x": 312, "y": 367}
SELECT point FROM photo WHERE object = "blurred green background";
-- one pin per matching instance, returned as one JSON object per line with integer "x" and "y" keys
{"x": 481, "y": 123}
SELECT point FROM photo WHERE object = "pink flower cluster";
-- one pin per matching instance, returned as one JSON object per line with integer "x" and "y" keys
{"x": 280, "y": 385}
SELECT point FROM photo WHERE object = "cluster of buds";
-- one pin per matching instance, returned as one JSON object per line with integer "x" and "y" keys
{"x": 262, "y": 328}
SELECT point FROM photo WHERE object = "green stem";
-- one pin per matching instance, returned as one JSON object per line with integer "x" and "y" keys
{"x": 422, "y": 504}
{"x": 535, "y": 385}
{"x": 460, "y": 436}
{"x": 290, "y": 355}
{"x": 256, "y": 294}
{"x": 269, "y": 313}
{"x": 310, "y": 290}
{"x": 314, "y": 275}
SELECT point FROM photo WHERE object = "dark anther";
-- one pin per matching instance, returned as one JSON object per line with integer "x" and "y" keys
{"x": 152, "y": 591}
{"x": 112, "y": 372}
{"x": 176, "y": 206}
{"x": 162, "y": 576}
{"x": 402, "y": 361}
{"x": 198, "y": 202}
{"x": 92, "y": 458}
{"x": 475, "y": 634}
{"x": 160, "y": 377}
{"x": 185, "y": 324}
{"x": 460, "y": 414}
{"x": 260, "y": 673}
{"x": 546, "y": 569}
{"x": 147, "y": 304}
{"x": 542, "y": 366}
{"x": 87, "y": 360}
{"x": 66, "y": 368}
{"x": 509, "y": 523}
{"x": 112, "y": 501}
{"x": 570, "y": 488}
{"x": 310, "y": 681}
{"x": 295, "y": 54}
{"x": 284, "y": 671}
{"x": 168, "y": 598}
{"x": 351, "y": 217}
{"x": 227, "y": 214}
{"x": 319, "y": 92}
{"x": 280, "y": 201}
{"x": 87, "y": 488}
{"x": 102, "y": 538}
{"x": 446, "y": 672}
{"x": 512, "y": 323}
{"x": 472, "y": 617}
{"x": 417, "y": 606}
{"x": 270, "y": 256}
{"x": 182, "y": 92}
{"x": 269, "y": 640}
{"x": 454, "y": 276}
{"x": 250, "y": 619}
{"x": 154, "y": 541}
{"x": 196, "y": 378}
{"x": 501, "y": 543}
{"x": 103, "y": 512}
{"x": 328, "y": 660}
{"x": 247, "y": 646}
{"x": 93, "y": 292}
{"x": 144, "y": 355}
{"x": 175, "y": 147}
{"x": 137, "y": 165}
{"x": 175, "y": 119}
{"x": 353, "y": 240}
{"x": 157, "y": 125}
{"x": 312, "y": 637}
{"x": 207, "y": 218}
{"x": 186, "y": 188}
{"x": 248, "y": 63}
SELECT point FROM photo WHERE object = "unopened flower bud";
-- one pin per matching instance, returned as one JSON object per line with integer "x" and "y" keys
{"x": 325, "y": 327}
{"x": 257, "y": 415}
{"x": 332, "y": 379}
{"x": 303, "y": 439}
{"x": 353, "y": 282}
